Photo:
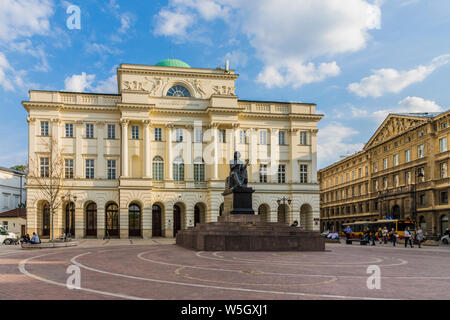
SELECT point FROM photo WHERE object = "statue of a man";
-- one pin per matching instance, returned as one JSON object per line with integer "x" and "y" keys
{"x": 238, "y": 173}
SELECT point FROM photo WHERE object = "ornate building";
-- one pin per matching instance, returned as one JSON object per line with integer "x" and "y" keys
{"x": 400, "y": 173}
{"x": 153, "y": 159}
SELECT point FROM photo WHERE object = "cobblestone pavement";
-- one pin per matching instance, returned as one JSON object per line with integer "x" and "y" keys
{"x": 158, "y": 269}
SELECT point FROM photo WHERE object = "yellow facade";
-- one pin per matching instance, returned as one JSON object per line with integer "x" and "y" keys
{"x": 171, "y": 153}
{"x": 400, "y": 173}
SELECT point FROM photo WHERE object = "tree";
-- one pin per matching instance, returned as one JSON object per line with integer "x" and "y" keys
{"x": 20, "y": 167}
{"x": 47, "y": 173}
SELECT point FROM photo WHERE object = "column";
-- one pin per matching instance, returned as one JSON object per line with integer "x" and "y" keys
{"x": 123, "y": 222}
{"x": 314, "y": 155}
{"x": 187, "y": 154}
{"x": 189, "y": 222}
{"x": 101, "y": 161}
{"x": 54, "y": 142}
{"x": 294, "y": 175}
{"x": 274, "y": 155}
{"x": 169, "y": 160}
{"x": 252, "y": 153}
{"x": 79, "y": 221}
{"x": 31, "y": 144}
{"x": 147, "y": 222}
{"x": 147, "y": 150}
{"x": 100, "y": 221}
{"x": 79, "y": 174}
{"x": 168, "y": 221}
{"x": 216, "y": 151}
{"x": 124, "y": 123}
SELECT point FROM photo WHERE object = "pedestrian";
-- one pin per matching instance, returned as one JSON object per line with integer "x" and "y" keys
{"x": 419, "y": 235}
{"x": 408, "y": 237}
{"x": 366, "y": 234}
{"x": 385, "y": 235}
{"x": 374, "y": 236}
{"x": 294, "y": 224}
{"x": 35, "y": 239}
{"x": 380, "y": 235}
{"x": 394, "y": 236}
{"x": 348, "y": 232}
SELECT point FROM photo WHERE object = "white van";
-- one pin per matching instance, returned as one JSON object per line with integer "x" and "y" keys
{"x": 7, "y": 237}
{"x": 446, "y": 237}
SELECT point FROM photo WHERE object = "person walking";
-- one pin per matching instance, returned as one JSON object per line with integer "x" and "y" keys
{"x": 393, "y": 235}
{"x": 348, "y": 232}
{"x": 419, "y": 235}
{"x": 380, "y": 235}
{"x": 408, "y": 237}
{"x": 385, "y": 235}
{"x": 374, "y": 236}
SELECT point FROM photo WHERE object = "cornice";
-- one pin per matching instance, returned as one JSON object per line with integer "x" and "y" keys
{"x": 177, "y": 74}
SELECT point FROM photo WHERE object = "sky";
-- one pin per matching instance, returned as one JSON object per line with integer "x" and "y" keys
{"x": 358, "y": 60}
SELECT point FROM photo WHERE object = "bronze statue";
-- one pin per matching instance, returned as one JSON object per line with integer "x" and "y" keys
{"x": 238, "y": 173}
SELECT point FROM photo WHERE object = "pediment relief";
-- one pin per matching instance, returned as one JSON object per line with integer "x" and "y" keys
{"x": 392, "y": 127}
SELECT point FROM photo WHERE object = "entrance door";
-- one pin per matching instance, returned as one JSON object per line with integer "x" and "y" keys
{"x": 396, "y": 212}
{"x": 156, "y": 221}
{"x": 91, "y": 219}
{"x": 134, "y": 221}
{"x": 112, "y": 220}
{"x": 176, "y": 219}
{"x": 197, "y": 215}
{"x": 22, "y": 230}
{"x": 46, "y": 220}
{"x": 70, "y": 219}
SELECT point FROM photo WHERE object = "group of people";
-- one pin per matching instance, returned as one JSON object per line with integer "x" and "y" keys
{"x": 411, "y": 237}
{"x": 34, "y": 239}
{"x": 332, "y": 235}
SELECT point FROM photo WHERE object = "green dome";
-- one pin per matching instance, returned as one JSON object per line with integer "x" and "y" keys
{"x": 173, "y": 63}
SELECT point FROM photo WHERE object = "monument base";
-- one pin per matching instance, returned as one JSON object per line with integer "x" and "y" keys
{"x": 247, "y": 233}
{"x": 238, "y": 201}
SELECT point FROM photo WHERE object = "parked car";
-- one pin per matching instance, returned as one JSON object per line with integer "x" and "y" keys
{"x": 7, "y": 237}
{"x": 446, "y": 237}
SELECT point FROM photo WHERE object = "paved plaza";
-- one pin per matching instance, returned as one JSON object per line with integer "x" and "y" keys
{"x": 158, "y": 269}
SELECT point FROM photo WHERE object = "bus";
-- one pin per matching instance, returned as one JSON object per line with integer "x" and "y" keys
{"x": 399, "y": 226}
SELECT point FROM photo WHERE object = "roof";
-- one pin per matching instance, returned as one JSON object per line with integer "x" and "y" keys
{"x": 418, "y": 114}
{"x": 15, "y": 213}
{"x": 173, "y": 63}
{"x": 12, "y": 170}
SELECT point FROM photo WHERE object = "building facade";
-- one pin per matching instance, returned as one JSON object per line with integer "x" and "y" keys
{"x": 152, "y": 159}
{"x": 12, "y": 189}
{"x": 402, "y": 172}
{"x": 14, "y": 220}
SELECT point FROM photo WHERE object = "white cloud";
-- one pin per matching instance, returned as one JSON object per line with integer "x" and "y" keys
{"x": 408, "y": 105}
{"x": 384, "y": 81}
{"x": 79, "y": 82}
{"x": 10, "y": 78}
{"x": 237, "y": 58}
{"x": 332, "y": 143}
{"x": 107, "y": 86}
{"x": 24, "y": 18}
{"x": 286, "y": 34}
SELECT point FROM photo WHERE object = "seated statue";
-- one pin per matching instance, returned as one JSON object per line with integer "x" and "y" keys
{"x": 238, "y": 173}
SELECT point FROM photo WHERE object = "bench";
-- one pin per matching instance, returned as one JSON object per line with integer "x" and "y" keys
{"x": 47, "y": 245}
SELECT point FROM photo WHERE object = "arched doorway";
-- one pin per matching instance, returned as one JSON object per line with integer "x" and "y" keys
{"x": 91, "y": 219}
{"x": 176, "y": 219}
{"x": 283, "y": 213}
{"x": 112, "y": 220}
{"x": 306, "y": 217}
{"x": 221, "y": 209}
{"x": 263, "y": 212}
{"x": 134, "y": 220}
{"x": 396, "y": 212}
{"x": 444, "y": 223}
{"x": 200, "y": 212}
{"x": 69, "y": 225}
{"x": 46, "y": 220}
{"x": 156, "y": 221}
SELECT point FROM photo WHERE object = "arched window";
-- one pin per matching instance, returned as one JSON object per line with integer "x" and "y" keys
{"x": 199, "y": 170}
{"x": 91, "y": 219}
{"x": 158, "y": 168}
{"x": 178, "y": 169}
{"x": 178, "y": 91}
{"x": 112, "y": 220}
{"x": 46, "y": 220}
{"x": 134, "y": 220}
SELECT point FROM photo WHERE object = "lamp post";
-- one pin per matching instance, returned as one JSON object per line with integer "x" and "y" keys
{"x": 283, "y": 201}
{"x": 69, "y": 198}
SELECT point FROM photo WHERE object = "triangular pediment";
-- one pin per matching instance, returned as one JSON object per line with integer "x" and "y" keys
{"x": 392, "y": 126}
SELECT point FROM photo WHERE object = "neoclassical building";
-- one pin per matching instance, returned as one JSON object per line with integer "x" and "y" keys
{"x": 153, "y": 159}
{"x": 402, "y": 173}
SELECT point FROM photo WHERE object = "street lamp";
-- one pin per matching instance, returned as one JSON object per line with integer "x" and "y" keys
{"x": 283, "y": 201}
{"x": 69, "y": 197}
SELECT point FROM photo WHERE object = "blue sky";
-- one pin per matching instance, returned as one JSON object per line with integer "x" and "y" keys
{"x": 357, "y": 61}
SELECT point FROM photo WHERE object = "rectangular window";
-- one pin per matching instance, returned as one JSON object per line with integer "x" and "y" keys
{"x": 385, "y": 163}
{"x": 444, "y": 197}
{"x": 111, "y": 131}
{"x": 198, "y": 135}
{"x": 158, "y": 135}
{"x": 281, "y": 137}
{"x": 134, "y": 132}
{"x": 385, "y": 183}
{"x": 375, "y": 167}
{"x": 199, "y": 172}
{"x": 422, "y": 199}
{"x": 408, "y": 177}
{"x": 68, "y": 168}
{"x": 353, "y": 175}
{"x": 243, "y": 136}
{"x": 443, "y": 125}
{"x": 263, "y": 173}
{"x": 44, "y": 128}
{"x": 89, "y": 130}
{"x": 420, "y": 151}
{"x": 45, "y": 167}
{"x": 396, "y": 181}
{"x": 282, "y": 173}
{"x": 111, "y": 174}
{"x": 178, "y": 135}
{"x": 443, "y": 170}
{"x": 263, "y": 137}
{"x": 408, "y": 155}
{"x": 421, "y": 174}
{"x": 69, "y": 130}
{"x": 359, "y": 172}
{"x": 222, "y": 136}
{"x": 303, "y": 136}
{"x": 303, "y": 173}
{"x": 89, "y": 169}
{"x": 395, "y": 159}
{"x": 443, "y": 144}
{"x": 375, "y": 185}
